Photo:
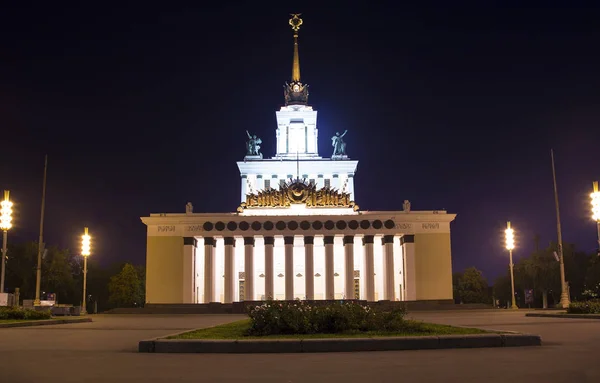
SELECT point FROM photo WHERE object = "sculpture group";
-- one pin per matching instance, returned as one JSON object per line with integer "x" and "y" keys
{"x": 253, "y": 145}
{"x": 339, "y": 146}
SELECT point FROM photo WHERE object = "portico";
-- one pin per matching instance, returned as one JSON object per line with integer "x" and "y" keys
{"x": 368, "y": 255}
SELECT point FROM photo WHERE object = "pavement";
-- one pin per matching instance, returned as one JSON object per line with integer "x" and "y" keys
{"x": 105, "y": 350}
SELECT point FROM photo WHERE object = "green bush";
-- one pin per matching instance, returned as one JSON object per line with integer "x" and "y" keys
{"x": 299, "y": 317}
{"x": 585, "y": 307}
{"x": 17, "y": 313}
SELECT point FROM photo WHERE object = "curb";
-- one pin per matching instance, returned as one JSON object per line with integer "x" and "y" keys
{"x": 337, "y": 344}
{"x": 44, "y": 322}
{"x": 578, "y": 316}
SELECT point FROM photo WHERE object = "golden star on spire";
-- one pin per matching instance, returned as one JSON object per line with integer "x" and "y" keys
{"x": 295, "y": 21}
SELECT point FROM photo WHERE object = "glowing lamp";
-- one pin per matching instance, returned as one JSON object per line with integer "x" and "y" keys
{"x": 510, "y": 237}
{"x": 6, "y": 212}
{"x": 595, "y": 203}
{"x": 86, "y": 243}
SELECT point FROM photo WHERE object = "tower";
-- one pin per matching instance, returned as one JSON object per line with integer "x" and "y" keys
{"x": 297, "y": 153}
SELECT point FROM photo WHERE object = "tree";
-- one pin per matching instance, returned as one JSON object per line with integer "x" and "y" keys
{"x": 502, "y": 289}
{"x": 125, "y": 288}
{"x": 57, "y": 276}
{"x": 472, "y": 287}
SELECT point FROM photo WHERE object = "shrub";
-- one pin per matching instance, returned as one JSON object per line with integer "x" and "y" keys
{"x": 17, "y": 313}
{"x": 585, "y": 307}
{"x": 299, "y": 317}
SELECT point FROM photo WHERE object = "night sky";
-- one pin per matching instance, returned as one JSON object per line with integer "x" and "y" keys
{"x": 144, "y": 108}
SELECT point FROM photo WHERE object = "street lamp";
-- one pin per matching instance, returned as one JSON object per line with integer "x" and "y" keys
{"x": 5, "y": 224}
{"x": 596, "y": 210}
{"x": 85, "y": 252}
{"x": 510, "y": 245}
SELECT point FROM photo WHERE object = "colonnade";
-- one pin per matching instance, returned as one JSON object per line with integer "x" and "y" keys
{"x": 368, "y": 243}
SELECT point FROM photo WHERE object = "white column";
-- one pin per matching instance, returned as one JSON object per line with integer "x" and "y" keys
{"x": 408, "y": 254}
{"x": 289, "y": 267}
{"x": 329, "y": 291}
{"x": 269, "y": 272}
{"x": 349, "y": 266}
{"x": 244, "y": 187}
{"x": 229, "y": 293}
{"x": 189, "y": 271}
{"x": 335, "y": 182}
{"x": 249, "y": 268}
{"x": 209, "y": 269}
{"x": 388, "y": 267}
{"x": 350, "y": 188}
{"x": 309, "y": 267}
{"x": 260, "y": 183}
{"x": 369, "y": 268}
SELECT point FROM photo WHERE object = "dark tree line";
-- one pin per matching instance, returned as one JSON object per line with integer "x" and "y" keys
{"x": 117, "y": 285}
{"x": 539, "y": 272}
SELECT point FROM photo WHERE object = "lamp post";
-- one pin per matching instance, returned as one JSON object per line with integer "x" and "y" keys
{"x": 5, "y": 224}
{"x": 510, "y": 245}
{"x": 596, "y": 210}
{"x": 85, "y": 252}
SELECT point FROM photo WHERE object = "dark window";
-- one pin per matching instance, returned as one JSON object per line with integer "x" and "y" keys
{"x": 244, "y": 225}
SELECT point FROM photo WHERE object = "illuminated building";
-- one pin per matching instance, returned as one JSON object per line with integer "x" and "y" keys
{"x": 298, "y": 233}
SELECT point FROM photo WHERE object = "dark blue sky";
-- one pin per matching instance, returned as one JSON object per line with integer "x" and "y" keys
{"x": 143, "y": 108}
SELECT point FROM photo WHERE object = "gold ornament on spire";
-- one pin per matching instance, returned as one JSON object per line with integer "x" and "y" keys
{"x": 295, "y": 22}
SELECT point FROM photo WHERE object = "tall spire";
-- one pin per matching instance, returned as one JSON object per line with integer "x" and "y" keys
{"x": 296, "y": 93}
{"x": 296, "y": 22}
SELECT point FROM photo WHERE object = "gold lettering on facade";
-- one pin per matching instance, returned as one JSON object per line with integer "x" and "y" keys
{"x": 298, "y": 192}
{"x": 164, "y": 229}
{"x": 429, "y": 226}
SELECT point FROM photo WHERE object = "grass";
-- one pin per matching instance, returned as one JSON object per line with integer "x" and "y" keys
{"x": 237, "y": 330}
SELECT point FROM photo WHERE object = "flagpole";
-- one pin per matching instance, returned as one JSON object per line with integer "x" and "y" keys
{"x": 38, "y": 274}
{"x": 564, "y": 295}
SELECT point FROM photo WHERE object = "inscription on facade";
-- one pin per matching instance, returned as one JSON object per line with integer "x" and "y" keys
{"x": 193, "y": 228}
{"x": 405, "y": 226}
{"x": 165, "y": 229}
{"x": 429, "y": 226}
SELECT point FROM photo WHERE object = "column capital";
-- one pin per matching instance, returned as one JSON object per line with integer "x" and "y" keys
{"x": 368, "y": 239}
{"x": 309, "y": 240}
{"x": 229, "y": 241}
{"x": 328, "y": 240}
{"x": 288, "y": 240}
{"x": 259, "y": 176}
{"x": 190, "y": 241}
{"x": 248, "y": 241}
{"x": 209, "y": 241}
{"x": 269, "y": 241}
{"x": 348, "y": 239}
{"x": 407, "y": 238}
{"x": 387, "y": 239}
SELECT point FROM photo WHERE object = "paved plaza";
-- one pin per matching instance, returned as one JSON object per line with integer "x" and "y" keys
{"x": 106, "y": 351}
